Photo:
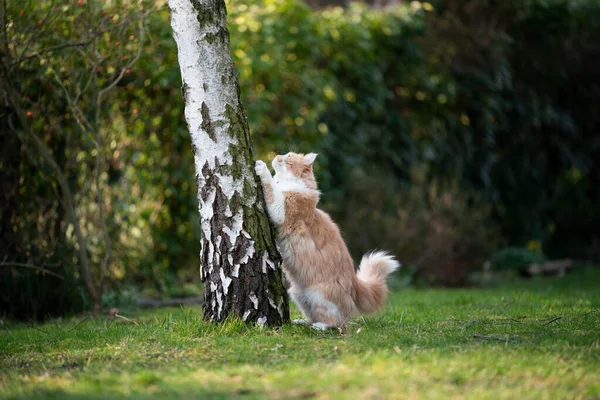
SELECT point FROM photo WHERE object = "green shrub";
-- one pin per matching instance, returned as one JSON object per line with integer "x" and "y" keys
{"x": 499, "y": 99}
{"x": 57, "y": 60}
{"x": 528, "y": 141}
{"x": 30, "y": 294}
{"x": 438, "y": 232}
{"x": 515, "y": 259}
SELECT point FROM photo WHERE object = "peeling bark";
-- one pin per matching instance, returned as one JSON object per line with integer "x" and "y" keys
{"x": 239, "y": 262}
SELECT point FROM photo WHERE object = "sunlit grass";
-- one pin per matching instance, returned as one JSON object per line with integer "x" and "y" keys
{"x": 537, "y": 339}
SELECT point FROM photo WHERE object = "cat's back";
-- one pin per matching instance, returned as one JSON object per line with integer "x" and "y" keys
{"x": 317, "y": 254}
{"x": 310, "y": 235}
{"x": 325, "y": 232}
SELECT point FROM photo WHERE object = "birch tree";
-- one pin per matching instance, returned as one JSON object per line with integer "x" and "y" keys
{"x": 239, "y": 263}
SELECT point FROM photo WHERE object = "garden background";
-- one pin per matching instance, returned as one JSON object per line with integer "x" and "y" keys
{"x": 461, "y": 136}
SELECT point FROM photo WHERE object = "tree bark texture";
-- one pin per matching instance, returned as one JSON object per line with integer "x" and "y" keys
{"x": 239, "y": 262}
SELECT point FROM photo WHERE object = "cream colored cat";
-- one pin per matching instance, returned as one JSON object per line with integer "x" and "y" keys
{"x": 316, "y": 261}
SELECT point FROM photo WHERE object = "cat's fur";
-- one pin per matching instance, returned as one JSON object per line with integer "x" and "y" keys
{"x": 316, "y": 261}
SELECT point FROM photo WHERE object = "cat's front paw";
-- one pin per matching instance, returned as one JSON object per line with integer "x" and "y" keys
{"x": 262, "y": 170}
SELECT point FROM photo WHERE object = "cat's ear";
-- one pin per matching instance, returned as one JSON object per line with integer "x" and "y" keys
{"x": 310, "y": 158}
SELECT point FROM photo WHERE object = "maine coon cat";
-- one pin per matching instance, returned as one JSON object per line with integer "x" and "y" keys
{"x": 316, "y": 261}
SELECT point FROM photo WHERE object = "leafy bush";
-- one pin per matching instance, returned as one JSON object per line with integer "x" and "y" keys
{"x": 527, "y": 99}
{"x": 436, "y": 230}
{"x": 31, "y": 294}
{"x": 498, "y": 106}
{"x": 59, "y": 69}
{"x": 515, "y": 259}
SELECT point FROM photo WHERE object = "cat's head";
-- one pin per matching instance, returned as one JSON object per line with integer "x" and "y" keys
{"x": 295, "y": 170}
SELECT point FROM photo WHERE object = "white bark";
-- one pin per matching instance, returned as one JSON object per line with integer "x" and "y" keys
{"x": 239, "y": 263}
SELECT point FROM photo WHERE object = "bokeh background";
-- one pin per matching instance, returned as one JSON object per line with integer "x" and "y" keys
{"x": 462, "y": 136}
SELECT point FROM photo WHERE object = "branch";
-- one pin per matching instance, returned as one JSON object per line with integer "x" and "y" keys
{"x": 30, "y": 266}
{"x": 4, "y": 30}
{"x": 36, "y": 33}
{"x": 55, "y": 323}
{"x": 79, "y": 323}
{"x": 95, "y": 35}
{"x": 126, "y": 319}
{"x": 99, "y": 149}
{"x": 551, "y": 321}
{"x": 148, "y": 303}
{"x": 67, "y": 196}
{"x": 89, "y": 80}
{"x": 490, "y": 337}
{"x": 52, "y": 48}
{"x": 80, "y": 118}
{"x": 28, "y": 137}
{"x": 123, "y": 70}
{"x": 7, "y": 330}
{"x": 69, "y": 205}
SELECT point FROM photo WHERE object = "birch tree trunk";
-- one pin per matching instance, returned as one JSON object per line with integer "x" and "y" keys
{"x": 239, "y": 263}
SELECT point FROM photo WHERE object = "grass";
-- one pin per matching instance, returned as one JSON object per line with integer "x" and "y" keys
{"x": 537, "y": 339}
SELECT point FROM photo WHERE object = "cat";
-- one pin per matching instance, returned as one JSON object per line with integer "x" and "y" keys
{"x": 322, "y": 279}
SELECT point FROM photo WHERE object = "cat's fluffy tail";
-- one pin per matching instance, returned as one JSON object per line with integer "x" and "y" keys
{"x": 371, "y": 290}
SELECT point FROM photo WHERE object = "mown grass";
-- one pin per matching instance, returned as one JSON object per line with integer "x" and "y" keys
{"x": 529, "y": 340}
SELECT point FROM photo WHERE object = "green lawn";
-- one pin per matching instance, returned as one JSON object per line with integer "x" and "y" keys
{"x": 536, "y": 339}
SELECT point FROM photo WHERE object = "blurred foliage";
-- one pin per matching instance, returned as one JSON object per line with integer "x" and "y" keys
{"x": 59, "y": 63}
{"x": 494, "y": 105}
{"x": 516, "y": 259}
{"x": 527, "y": 85}
{"x": 27, "y": 293}
{"x": 436, "y": 231}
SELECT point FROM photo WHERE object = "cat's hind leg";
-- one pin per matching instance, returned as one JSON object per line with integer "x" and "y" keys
{"x": 323, "y": 313}
{"x": 320, "y": 326}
